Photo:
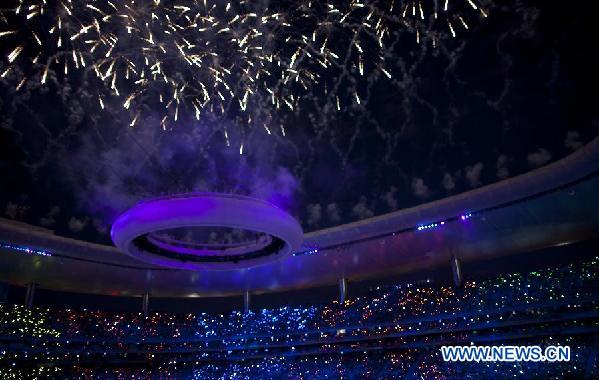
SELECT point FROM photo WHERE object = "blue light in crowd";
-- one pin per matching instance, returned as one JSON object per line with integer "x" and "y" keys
{"x": 466, "y": 216}
{"x": 27, "y": 250}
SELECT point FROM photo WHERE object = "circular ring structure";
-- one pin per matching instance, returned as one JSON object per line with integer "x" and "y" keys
{"x": 141, "y": 231}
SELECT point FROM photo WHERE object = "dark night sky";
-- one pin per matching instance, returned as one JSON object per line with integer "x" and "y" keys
{"x": 515, "y": 92}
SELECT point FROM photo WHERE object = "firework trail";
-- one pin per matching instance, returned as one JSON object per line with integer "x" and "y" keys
{"x": 248, "y": 61}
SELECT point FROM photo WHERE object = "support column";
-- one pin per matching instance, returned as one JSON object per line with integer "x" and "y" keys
{"x": 456, "y": 269}
{"x": 246, "y": 302}
{"x": 145, "y": 303}
{"x": 342, "y": 290}
{"x": 29, "y": 295}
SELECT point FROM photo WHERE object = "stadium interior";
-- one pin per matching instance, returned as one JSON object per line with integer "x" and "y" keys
{"x": 343, "y": 189}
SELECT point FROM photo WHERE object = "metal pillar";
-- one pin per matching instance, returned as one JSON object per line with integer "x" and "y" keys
{"x": 456, "y": 269}
{"x": 29, "y": 295}
{"x": 246, "y": 302}
{"x": 145, "y": 303}
{"x": 342, "y": 290}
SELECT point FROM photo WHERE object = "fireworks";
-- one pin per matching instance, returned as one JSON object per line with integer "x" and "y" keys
{"x": 249, "y": 60}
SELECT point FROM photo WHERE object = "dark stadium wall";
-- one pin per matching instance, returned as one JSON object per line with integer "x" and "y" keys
{"x": 3, "y": 292}
{"x": 441, "y": 276}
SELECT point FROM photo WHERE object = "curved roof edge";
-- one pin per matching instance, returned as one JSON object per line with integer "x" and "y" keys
{"x": 552, "y": 205}
{"x": 567, "y": 171}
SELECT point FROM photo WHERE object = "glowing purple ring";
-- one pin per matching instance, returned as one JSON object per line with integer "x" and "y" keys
{"x": 208, "y": 210}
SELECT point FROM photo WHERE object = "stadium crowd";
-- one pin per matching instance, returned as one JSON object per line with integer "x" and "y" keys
{"x": 392, "y": 332}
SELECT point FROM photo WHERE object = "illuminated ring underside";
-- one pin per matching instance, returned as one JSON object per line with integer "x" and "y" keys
{"x": 137, "y": 232}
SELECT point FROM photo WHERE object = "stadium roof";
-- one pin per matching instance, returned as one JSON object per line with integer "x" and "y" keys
{"x": 550, "y": 206}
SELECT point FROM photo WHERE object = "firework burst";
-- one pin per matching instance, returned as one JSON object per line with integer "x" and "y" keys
{"x": 246, "y": 60}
